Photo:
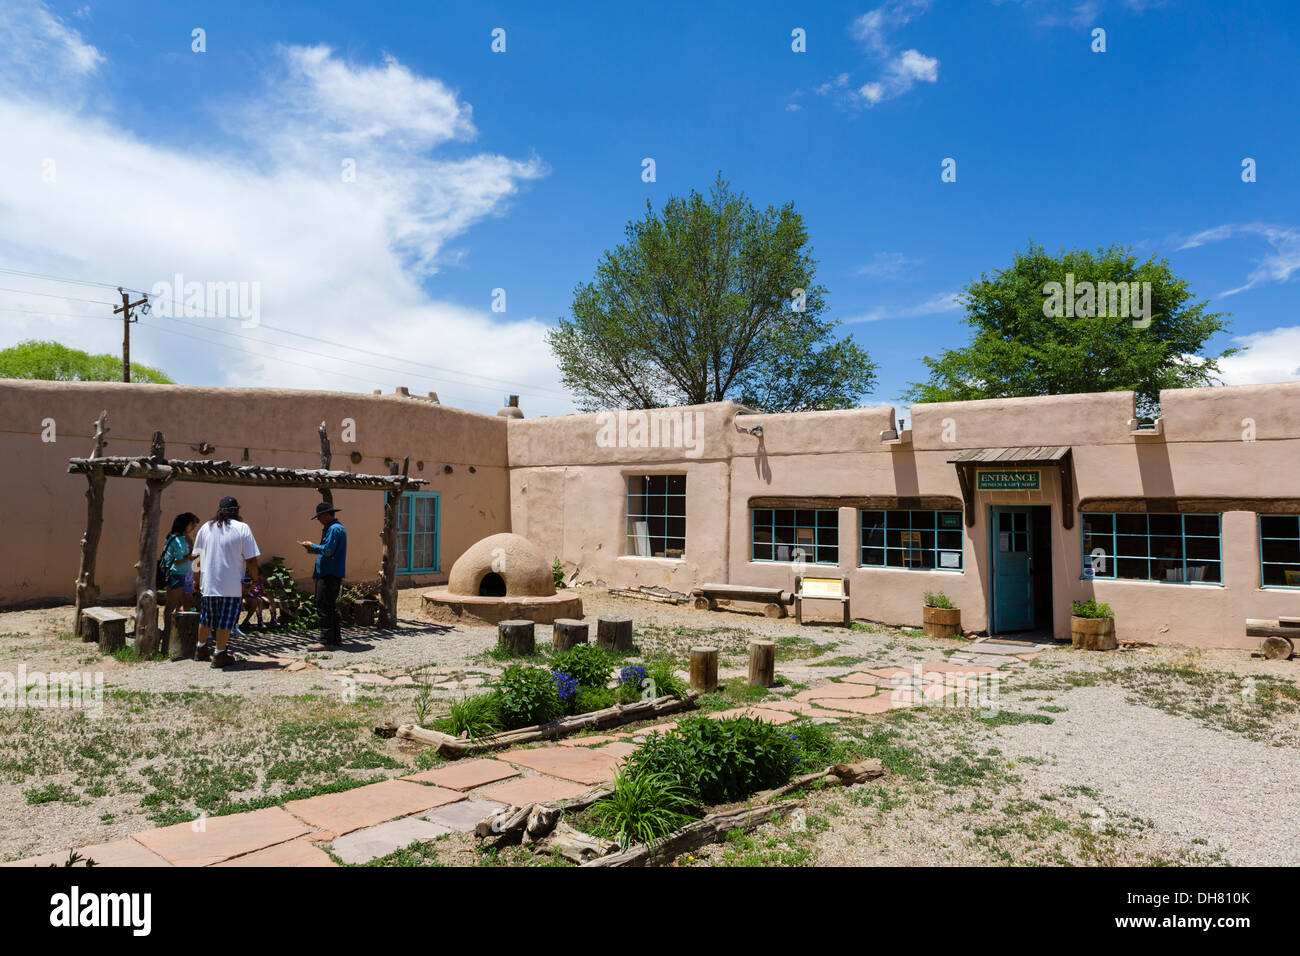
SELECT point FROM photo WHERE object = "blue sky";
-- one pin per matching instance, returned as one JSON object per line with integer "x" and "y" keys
{"x": 479, "y": 171}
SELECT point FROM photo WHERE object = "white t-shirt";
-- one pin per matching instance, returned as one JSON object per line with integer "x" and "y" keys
{"x": 222, "y": 551}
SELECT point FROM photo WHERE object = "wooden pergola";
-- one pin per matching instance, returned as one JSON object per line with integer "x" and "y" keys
{"x": 157, "y": 472}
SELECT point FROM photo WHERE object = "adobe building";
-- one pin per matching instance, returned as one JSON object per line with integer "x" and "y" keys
{"x": 1014, "y": 508}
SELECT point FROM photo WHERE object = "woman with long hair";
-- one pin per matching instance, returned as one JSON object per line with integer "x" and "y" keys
{"x": 176, "y": 557}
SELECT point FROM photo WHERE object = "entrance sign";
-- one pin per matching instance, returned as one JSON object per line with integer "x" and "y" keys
{"x": 1007, "y": 480}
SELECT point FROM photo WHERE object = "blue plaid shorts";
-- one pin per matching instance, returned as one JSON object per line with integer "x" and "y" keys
{"x": 219, "y": 613}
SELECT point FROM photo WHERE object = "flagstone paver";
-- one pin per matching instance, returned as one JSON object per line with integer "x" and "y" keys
{"x": 220, "y": 838}
{"x": 579, "y": 764}
{"x": 300, "y": 852}
{"x": 362, "y": 846}
{"x": 532, "y": 789}
{"x": 369, "y": 805}
{"x": 836, "y": 690}
{"x": 466, "y": 774}
{"x": 860, "y": 678}
{"x": 126, "y": 852}
{"x": 799, "y": 707}
{"x": 858, "y": 705}
{"x": 463, "y": 816}
{"x": 757, "y": 713}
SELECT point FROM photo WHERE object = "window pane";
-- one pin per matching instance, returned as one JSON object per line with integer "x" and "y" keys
{"x": 1282, "y": 552}
{"x": 1201, "y": 524}
{"x": 1131, "y": 524}
{"x": 1279, "y": 526}
{"x": 1202, "y": 548}
{"x": 1131, "y": 546}
{"x": 1098, "y": 524}
{"x": 1132, "y": 569}
{"x": 873, "y": 557}
{"x": 1166, "y": 524}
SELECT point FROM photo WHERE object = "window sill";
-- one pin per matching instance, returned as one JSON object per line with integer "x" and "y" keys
{"x": 1193, "y": 584}
{"x": 650, "y": 557}
{"x": 882, "y": 567}
{"x": 807, "y": 564}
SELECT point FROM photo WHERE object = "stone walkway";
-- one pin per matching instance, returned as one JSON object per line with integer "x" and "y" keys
{"x": 368, "y": 822}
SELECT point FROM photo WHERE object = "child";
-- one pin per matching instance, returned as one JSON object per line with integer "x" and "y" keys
{"x": 256, "y": 599}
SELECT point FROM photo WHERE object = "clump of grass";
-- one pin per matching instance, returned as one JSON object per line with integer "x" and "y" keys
{"x": 644, "y": 807}
{"x": 50, "y": 793}
{"x": 938, "y": 599}
{"x": 474, "y": 717}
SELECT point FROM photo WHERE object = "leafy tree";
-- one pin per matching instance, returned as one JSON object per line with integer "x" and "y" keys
{"x": 52, "y": 362}
{"x": 699, "y": 306}
{"x": 1017, "y": 350}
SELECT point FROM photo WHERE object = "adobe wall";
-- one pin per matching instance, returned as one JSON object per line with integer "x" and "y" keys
{"x": 45, "y": 509}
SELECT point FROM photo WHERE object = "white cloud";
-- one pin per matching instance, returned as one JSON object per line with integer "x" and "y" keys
{"x": 1279, "y": 265}
{"x": 1272, "y": 356}
{"x": 40, "y": 50}
{"x": 888, "y": 265}
{"x": 344, "y": 261}
{"x": 935, "y": 305}
{"x": 899, "y": 71}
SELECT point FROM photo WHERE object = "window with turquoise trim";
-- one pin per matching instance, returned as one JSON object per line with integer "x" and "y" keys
{"x": 1279, "y": 551}
{"x": 417, "y": 533}
{"x": 913, "y": 540}
{"x": 1173, "y": 548}
{"x": 656, "y": 516}
{"x": 791, "y": 534}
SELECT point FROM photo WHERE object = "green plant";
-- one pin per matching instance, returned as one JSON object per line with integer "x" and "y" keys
{"x": 818, "y": 745}
{"x": 642, "y": 808}
{"x": 528, "y": 696}
{"x": 588, "y": 699}
{"x": 557, "y": 573}
{"x": 1091, "y": 609}
{"x": 937, "y": 599}
{"x": 718, "y": 761}
{"x": 662, "y": 672}
{"x": 590, "y": 664}
{"x": 423, "y": 701}
{"x": 474, "y": 717}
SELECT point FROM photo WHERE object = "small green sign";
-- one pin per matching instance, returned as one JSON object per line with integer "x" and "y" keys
{"x": 1007, "y": 481}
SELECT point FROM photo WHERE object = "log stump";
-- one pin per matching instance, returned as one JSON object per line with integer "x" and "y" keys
{"x": 704, "y": 604}
{"x": 567, "y": 633}
{"x": 184, "y": 635}
{"x": 516, "y": 637}
{"x": 1275, "y": 648}
{"x": 762, "y": 663}
{"x": 614, "y": 632}
{"x": 704, "y": 669}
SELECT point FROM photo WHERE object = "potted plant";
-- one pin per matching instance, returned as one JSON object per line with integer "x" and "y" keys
{"x": 1092, "y": 626}
{"x": 941, "y": 619}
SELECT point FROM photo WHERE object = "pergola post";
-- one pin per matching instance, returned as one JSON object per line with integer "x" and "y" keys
{"x": 87, "y": 590}
{"x": 326, "y": 459}
{"x": 146, "y": 598}
{"x": 388, "y": 565}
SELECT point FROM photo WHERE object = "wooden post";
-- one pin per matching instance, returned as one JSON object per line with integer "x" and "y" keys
{"x": 704, "y": 669}
{"x": 146, "y": 601}
{"x": 388, "y": 563}
{"x": 516, "y": 637}
{"x": 87, "y": 594}
{"x": 325, "y": 460}
{"x": 614, "y": 632}
{"x": 568, "y": 632}
{"x": 762, "y": 663}
{"x": 184, "y": 636}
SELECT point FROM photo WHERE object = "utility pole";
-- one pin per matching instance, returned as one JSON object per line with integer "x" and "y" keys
{"x": 125, "y": 308}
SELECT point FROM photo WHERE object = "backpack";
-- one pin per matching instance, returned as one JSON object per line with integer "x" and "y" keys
{"x": 162, "y": 570}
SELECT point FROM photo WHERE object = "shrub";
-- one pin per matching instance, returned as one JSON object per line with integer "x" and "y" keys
{"x": 666, "y": 681}
{"x": 589, "y": 663}
{"x": 566, "y": 685}
{"x": 1090, "y": 608}
{"x": 642, "y": 808}
{"x": 718, "y": 761}
{"x": 819, "y": 747}
{"x": 557, "y": 573}
{"x": 630, "y": 679}
{"x": 529, "y": 695}
{"x": 938, "y": 599}
{"x": 588, "y": 699}
{"x": 478, "y": 716}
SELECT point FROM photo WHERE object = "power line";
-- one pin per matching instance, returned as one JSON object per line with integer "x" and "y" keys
{"x": 52, "y": 295}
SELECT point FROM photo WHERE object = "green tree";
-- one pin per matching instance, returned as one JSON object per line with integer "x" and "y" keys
{"x": 1017, "y": 350}
{"x": 699, "y": 305}
{"x": 52, "y": 362}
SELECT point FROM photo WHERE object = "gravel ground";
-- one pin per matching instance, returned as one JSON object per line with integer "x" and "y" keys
{"x": 1145, "y": 756}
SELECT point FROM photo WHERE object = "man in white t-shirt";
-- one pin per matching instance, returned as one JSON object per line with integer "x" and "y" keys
{"x": 226, "y": 553}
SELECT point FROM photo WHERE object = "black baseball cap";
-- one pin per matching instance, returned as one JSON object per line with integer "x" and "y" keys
{"x": 227, "y": 502}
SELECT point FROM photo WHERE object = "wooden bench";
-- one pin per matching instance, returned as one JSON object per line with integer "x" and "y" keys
{"x": 821, "y": 589}
{"x": 774, "y": 600}
{"x": 104, "y": 626}
{"x": 1281, "y": 637}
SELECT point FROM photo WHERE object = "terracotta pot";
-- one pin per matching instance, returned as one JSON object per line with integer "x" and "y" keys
{"x": 1093, "y": 633}
{"x": 941, "y": 621}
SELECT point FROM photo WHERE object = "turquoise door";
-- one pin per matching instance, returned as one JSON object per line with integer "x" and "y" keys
{"x": 1013, "y": 590}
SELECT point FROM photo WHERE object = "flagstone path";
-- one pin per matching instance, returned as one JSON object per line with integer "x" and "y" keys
{"x": 369, "y": 822}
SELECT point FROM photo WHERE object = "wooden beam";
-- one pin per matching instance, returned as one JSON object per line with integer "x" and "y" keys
{"x": 1066, "y": 469}
{"x": 1191, "y": 505}
{"x": 388, "y": 560}
{"x": 146, "y": 599}
{"x": 325, "y": 459}
{"x": 87, "y": 592}
{"x": 967, "y": 491}
{"x": 868, "y": 502}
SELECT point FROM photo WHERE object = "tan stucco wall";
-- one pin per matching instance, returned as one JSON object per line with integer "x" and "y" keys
{"x": 44, "y": 507}
{"x": 567, "y": 493}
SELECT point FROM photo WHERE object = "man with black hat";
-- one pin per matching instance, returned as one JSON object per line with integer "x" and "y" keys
{"x": 331, "y": 558}
{"x": 227, "y": 554}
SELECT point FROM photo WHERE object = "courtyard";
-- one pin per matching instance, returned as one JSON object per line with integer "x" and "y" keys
{"x": 1140, "y": 756}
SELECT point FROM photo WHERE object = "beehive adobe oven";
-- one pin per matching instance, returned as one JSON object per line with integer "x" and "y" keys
{"x": 500, "y": 578}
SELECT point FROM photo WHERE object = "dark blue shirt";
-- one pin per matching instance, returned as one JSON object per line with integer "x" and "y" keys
{"x": 332, "y": 552}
